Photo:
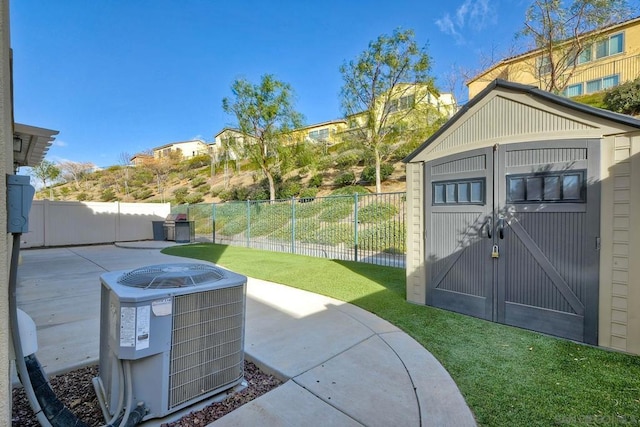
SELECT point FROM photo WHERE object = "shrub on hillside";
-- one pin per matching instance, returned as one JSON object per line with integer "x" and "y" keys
{"x": 197, "y": 181}
{"x": 349, "y": 191}
{"x": 344, "y": 179}
{"x": 388, "y": 236}
{"x": 316, "y": 180}
{"x": 349, "y": 159}
{"x": 141, "y": 176}
{"x": 259, "y": 193}
{"x": 369, "y": 172}
{"x": 198, "y": 161}
{"x": 307, "y": 193}
{"x": 107, "y": 195}
{"x": 336, "y": 211}
{"x": 142, "y": 194}
{"x": 194, "y": 198}
{"x": 81, "y": 197}
{"x": 288, "y": 189}
{"x": 625, "y": 98}
{"x": 376, "y": 212}
{"x": 179, "y": 194}
{"x": 215, "y": 191}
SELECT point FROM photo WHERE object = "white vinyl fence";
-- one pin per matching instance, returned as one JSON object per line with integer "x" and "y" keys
{"x": 54, "y": 223}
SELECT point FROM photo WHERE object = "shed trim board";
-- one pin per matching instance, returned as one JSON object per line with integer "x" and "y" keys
{"x": 507, "y": 218}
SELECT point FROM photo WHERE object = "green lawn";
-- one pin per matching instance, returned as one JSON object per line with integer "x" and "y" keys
{"x": 509, "y": 376}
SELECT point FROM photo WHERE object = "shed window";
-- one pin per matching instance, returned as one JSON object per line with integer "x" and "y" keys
{"x": 462, "y": 192}
{"x": 550, "y": 187}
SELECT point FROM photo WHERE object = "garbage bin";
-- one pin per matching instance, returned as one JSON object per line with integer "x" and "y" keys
{"x": 184, "y": 231}
{"x": 158, "y": 230}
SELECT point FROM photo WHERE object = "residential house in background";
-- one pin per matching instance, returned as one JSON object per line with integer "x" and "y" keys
{"x": 407, "y": 96}
{"x": 140, "y": 159}
{"x": 325, "y": 133}
{"x": 228, "y": 142}
{"x": 188, "y": 149}
{"x": 610, "y": 57}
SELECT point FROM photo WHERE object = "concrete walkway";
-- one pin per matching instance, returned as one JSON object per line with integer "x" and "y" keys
{"x": 341, "y": 364}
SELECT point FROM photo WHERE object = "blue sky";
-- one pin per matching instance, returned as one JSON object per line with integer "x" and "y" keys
{"x": 127, "y": 75}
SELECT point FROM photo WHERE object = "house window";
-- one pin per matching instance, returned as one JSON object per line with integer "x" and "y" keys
{"x": 573, "y": 90}
{"x": 462, "y": 192}
{"x": 543, "y": 65}
{"x": 609, "y": 46}
{"x": 406, "y": 102}
{"x": 402, "y": 103}
{"x": 603, "y": 83}
{"x": 319, "y": 135}
{"x": 585, "y": 55}
{"x": 549, "y": 187}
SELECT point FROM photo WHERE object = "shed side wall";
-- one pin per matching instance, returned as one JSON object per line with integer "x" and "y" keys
{"x": 634, "y": 249}
{"x": 415, "y": 270}
{"x": 619, "y": 324}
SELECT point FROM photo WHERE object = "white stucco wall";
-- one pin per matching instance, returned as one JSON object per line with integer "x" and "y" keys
{"x": 6, "y": 166}
{"x": 54, "y": 223}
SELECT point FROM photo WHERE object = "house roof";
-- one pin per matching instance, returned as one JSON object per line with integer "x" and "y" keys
{"x": 315, "y": 125}
{"x": 34, "y": 144}
{"x": 622, "y": 119}
{"x": 538, "y": 51}
{"x": 171, "y": 144}
{"x": 227, "y": 129}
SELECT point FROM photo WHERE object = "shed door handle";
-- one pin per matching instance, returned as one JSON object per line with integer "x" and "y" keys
{"x": 501, "y": 228}
{"x": 488, "y": 226}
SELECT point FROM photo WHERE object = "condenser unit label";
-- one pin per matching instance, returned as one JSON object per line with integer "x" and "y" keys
{"x": 142, "y": 327}
{"x": 161, "y": 307}
{"x": 127, "y": 326}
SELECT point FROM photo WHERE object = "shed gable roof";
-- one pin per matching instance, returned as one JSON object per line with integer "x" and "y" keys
{"x": 506, "y": 110}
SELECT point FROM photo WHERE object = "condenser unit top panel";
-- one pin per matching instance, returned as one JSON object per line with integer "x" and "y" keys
{"x": 155, "y": 281}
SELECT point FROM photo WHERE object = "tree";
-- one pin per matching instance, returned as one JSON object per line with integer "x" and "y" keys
{"x": 75, "y": 171}
{"x": 227, "y": 152}
{"x": 124, "y": 160}
{"x": 382, "y": 89}
{"x": 565, "y": 30}
{"x": 266, "y": 116}
{"x": 47, "y": 172}
{"x": 161, "y": 167}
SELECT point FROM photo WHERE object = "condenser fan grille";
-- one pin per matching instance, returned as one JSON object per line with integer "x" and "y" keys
{"x": 165, "y": 276}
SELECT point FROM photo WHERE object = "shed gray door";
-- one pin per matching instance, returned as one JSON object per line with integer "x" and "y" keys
{"x": 533, "y": 257}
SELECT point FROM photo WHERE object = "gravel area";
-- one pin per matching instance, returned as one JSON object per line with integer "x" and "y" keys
{"x": 76, "y": 391}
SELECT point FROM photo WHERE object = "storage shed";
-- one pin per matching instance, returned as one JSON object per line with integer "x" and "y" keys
{"x": 524, "y": 209}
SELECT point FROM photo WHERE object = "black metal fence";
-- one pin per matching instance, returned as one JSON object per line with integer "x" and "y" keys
{"x": 361, "y": 227}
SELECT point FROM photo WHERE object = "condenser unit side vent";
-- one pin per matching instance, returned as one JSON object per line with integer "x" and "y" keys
{"x": 207, "y": 342}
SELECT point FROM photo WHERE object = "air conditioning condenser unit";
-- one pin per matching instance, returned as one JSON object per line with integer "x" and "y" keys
{"x": 181, "y": 329}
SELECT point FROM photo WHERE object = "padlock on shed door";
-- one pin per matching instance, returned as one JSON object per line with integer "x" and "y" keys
{"x": 494, "y": 252}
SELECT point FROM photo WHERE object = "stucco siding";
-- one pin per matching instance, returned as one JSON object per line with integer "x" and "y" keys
{"x": 415, "y": 269}
{"x": 6, "y": 163}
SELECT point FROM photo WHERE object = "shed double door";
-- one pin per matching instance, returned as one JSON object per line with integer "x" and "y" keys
{"x": 512, "y": 235}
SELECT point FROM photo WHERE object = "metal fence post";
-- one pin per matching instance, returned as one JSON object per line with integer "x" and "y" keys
{"x": 355, "y": 227}
{"x": 248, "y": 223}
{"x": 213, "y": 222}
{"x": 293, "y": 224}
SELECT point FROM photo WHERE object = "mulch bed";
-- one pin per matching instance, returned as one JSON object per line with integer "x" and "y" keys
{"x": 75, "y": 390}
